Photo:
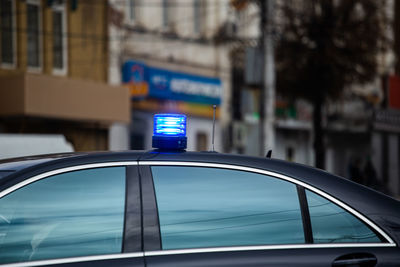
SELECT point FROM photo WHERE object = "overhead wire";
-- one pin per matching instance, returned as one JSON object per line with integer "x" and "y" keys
{"x": 252, "y": 224}
{"x": 243, "y": 216}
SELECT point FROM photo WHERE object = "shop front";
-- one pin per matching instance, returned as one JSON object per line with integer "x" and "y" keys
{"x": 156, "y": 90}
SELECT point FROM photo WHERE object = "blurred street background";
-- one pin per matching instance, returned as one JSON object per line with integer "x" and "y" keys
{"x": 315, "y": 81}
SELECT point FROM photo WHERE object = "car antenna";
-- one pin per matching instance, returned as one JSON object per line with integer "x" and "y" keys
{"x": 269, "y": 154}
{"x": 213, "y": 129}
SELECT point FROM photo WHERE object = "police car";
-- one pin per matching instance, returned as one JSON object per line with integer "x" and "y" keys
{"x": 169, "y": 207}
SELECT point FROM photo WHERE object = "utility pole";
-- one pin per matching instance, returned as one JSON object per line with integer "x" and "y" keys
{"x": 267, "y": 99}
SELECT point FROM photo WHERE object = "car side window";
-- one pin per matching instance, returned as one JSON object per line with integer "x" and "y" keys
{"x": 332, "y": 224}
{"x": 212, "y": 207}
{"x": 71, "y": 214}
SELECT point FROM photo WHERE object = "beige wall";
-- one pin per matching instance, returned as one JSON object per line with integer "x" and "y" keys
{"x": 47, "y": 40}
{"x": 12, "y": 95}
{"x": 54, "y": 97}
{"x": 21, "y": 36}
{"x": 88, "y": 52}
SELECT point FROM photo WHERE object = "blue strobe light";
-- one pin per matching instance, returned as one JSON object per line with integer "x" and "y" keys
{"x": 169, "y": 131}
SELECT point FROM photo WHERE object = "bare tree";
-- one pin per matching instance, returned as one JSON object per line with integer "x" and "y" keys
{"x": 324, "y": 46}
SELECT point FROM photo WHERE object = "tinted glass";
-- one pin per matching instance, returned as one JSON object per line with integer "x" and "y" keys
{"x": 165, "y": 15}
{"x": 70, "y": 214}
{"x": 196, "y": 17}
{"x": 332, "y": 224}
{"x": 209, "y": 207}
{"x": 58, "y": 49}
{"x": 33, "y": 35}
{"x": 132, "y": 10}
{"x": 6, "y": 22}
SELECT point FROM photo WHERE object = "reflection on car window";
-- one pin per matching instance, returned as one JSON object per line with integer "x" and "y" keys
{"x": 71, "y": 214}
{"x": 332, "y": 224}
{"x": 210, "y": 207}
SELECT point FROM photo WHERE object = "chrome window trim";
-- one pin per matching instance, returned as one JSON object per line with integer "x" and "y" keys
{"x": 64, "y": 170}
{"x": 76, "y": 259}
{"x": 390, "y": 241}
{"x": 266, "y": 247}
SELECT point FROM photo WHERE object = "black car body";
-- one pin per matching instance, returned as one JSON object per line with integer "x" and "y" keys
{"x": 181, "y": 208}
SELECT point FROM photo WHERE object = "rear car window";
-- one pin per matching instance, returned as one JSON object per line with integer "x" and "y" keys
{"x": 211, "y": 207}
{"x": 332, "y": 224}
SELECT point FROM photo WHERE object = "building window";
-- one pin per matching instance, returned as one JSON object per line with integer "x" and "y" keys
{"x": 34, "y": 41}
{"x": 165, "y": 15}
{"x": 201, "y": 141}
{"x": 132, "y": 14}
{"x": 59, "y": 38}
{"x": 8, "y": 34}
{"x": 199, "y": 15}
{"x": 290, "y": 151}
{"x": 132, "y": 10}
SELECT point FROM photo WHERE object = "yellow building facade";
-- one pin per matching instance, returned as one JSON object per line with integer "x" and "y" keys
{"x": 53, "y": 71}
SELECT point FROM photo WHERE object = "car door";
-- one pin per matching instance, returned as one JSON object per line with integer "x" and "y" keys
{"x": 226, "y": 215}
{"x": 76, "y": 216}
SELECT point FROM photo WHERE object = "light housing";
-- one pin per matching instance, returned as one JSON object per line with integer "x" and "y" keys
{"x": 169, "y": 131}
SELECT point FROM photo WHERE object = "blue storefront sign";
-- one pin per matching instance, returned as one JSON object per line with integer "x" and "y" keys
{"x": 172, "y": 85}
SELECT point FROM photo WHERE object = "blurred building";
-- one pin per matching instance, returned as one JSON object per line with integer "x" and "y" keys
{"x": 293, "y": 127}
{"x": 186, "y": 56}
{"x": 386, "y": 118}
{"x": 363, "y": 127}
{"x": 54, "y": 72}
{"x": 165, "y": 52}
{"x": 362, "y": 134}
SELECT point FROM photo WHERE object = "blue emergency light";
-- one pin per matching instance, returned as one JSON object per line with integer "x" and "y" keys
{"x": 169, "y": 131}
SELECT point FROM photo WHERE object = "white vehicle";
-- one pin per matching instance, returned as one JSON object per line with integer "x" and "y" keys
{"x": 21, "y": 145}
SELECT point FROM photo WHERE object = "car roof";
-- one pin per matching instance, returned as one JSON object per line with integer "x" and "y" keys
{"x": 15, "y": 164}
{"x": 353, "y": 194}
{"x": 306, "y": 174}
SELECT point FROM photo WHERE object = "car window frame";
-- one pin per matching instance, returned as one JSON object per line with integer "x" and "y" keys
{"x": 132, "y": 227}
{"x": 156, "y": 250}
